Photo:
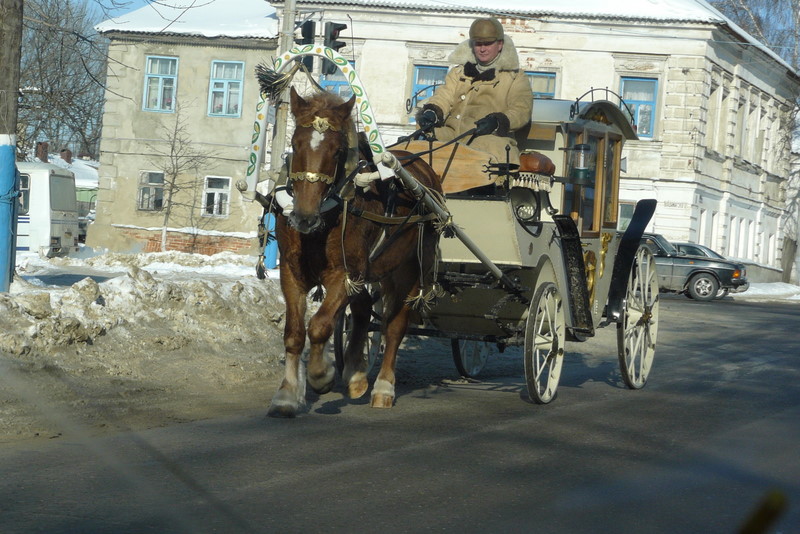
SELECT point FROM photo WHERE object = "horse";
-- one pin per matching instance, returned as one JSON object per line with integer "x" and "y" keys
{"x": 330, "y": 241}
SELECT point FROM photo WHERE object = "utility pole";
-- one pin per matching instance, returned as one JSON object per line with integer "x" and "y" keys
{"x": 10, "y": 44}
{"x": 285, "y": 42}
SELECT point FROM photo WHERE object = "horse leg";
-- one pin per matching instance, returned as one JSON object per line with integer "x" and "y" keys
{"x": 321, "y": 368}
{"x": 395, "y": 318}
{"x": 354, "y": 374}
{"x": 291, "y": 394}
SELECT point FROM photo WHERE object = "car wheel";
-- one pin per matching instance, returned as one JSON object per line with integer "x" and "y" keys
{"x": 703, "y": 287}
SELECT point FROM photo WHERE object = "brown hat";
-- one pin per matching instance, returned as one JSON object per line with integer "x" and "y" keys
{"x": 486, "y": 30}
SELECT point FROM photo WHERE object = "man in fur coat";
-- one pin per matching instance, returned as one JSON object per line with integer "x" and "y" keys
{"x": 486, "y": 89}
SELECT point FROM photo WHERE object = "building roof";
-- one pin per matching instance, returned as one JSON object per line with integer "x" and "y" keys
{"x": 661, "y": 10}
{"x": 257, "y": 18}
{"x": 246, "y": 19}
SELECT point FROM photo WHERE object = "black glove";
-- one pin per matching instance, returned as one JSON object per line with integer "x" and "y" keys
{"x": 427, "y": 119}
{"x": 486, "y": 125}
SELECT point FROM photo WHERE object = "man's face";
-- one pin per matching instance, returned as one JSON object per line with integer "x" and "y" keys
{"x": 486, "y": 51}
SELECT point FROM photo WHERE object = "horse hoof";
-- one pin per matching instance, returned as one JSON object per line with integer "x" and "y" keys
{"x": 322, "y": 389}
{"x": 284, "y": 404}
{"x": 281, "y": 410}
{"x": 381, "y": 401}
{"x": 357, "y": 385}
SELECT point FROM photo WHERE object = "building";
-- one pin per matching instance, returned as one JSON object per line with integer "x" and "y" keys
{"x": 177, "y": 127}
{"x": 711, "y": 104}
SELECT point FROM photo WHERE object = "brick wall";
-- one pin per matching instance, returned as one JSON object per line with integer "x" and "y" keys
{"x": 198, "y": 244}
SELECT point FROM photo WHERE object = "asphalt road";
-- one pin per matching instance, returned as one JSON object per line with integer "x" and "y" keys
{"x": 715, "y": 429}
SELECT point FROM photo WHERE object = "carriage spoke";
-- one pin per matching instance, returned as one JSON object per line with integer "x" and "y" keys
{"x": 544, "y": 344}
{"x": 636, "y": 333}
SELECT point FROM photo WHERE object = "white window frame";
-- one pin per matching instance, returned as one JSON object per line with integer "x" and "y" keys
{"x": 148, "y": 193}
{"x": 220, "y": 205}
{"x": 164, "y": 102}
{"x": 230, "y": 90}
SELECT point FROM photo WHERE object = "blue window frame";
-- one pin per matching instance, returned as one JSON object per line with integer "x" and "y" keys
{"x": 336, "y": 83}
{"x": 160, "y": 83}
{"x": 426, "y": 79}
{"x": 543, "y": 84}
{"x": 641, "y": 95}
{"x": 225, "y": 89}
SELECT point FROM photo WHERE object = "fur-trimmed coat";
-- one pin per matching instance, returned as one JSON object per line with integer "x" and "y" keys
{"x": 468, "y": 95}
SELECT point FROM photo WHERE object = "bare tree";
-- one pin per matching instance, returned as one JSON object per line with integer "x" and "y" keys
{"x": 181, "y": 164}
{"x": 63, "y": 69}
{"x": 776, "y": 23}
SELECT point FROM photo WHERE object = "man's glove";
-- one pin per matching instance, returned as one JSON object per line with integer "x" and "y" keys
{"x": 493, "y": 123}
{"x": 427, "y": 119}
{"x": 486, "y": 125}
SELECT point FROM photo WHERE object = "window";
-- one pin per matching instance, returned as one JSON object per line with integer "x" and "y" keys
{"x": 159, "y": 84}
{"x": 151, "y": 190}
{"x": 426, "y": 79}
{"x": 24, "y": 194}
{"x": 225, "y": 91}
{"x": 640, "y": 95}
{"x": 215, "y": 196}
{"x": 543, "y": 84}
{"x": 336, "y": 83}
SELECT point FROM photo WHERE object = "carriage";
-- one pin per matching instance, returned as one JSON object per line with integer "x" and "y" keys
{"x": 532, "y": 255}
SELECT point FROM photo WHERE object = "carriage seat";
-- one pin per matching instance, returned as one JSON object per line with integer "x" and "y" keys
{"x": 535, "y": 172}
{"x": 537, "y": 163}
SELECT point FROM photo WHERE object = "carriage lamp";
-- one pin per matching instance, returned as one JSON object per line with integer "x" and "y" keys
{"x": 581, "y": 160}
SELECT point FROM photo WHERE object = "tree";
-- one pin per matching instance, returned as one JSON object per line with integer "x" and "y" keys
{"x": 180, "y": 162}
{"x": 63, "y": 68}
{"x": 776, "y": 23}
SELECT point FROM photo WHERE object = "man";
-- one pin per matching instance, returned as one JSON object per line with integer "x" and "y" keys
{"x": 486, "y": 89}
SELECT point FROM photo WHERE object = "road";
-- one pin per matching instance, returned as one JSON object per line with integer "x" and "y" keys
{"x": 715, "y": 429}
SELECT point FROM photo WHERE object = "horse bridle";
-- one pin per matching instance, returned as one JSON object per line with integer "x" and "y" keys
{"x": 331, "y": 198}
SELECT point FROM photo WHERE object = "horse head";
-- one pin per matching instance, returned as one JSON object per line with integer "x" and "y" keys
{"x": 323, "y": 146}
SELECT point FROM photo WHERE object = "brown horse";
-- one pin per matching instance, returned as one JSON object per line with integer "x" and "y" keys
{"x": 341, "y": 249}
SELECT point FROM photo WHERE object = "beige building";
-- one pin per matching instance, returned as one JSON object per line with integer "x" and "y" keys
{"x": 177, "y": 127}
{"x": 711, "y": 104}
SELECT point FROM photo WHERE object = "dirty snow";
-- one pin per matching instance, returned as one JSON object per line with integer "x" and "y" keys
{"x": 165, "y": 335}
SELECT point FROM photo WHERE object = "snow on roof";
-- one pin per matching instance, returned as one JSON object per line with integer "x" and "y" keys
{"x": 85, "y": 171}
{"x": 672, "y": 10}
{"x": 210, "y": 18}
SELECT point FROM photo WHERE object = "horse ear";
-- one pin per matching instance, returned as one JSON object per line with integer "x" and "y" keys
{"x": 297, "y": 102}
{"x": 344, "y": 109}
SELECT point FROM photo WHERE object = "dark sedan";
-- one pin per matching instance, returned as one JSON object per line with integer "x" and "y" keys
{"x": 694, "y": 249}
{"x": 697, "y": 277}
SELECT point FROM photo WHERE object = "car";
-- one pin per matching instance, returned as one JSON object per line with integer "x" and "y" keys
{"x": 697, "y": 277}
{"x": 694, "y": 249}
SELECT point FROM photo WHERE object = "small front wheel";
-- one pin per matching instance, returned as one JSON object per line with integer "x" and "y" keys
{"x": 545, "y": 335}
{"x": 638, "y": 329}
{"x": 703, "y": 287}
{"x": 470, "y": 356}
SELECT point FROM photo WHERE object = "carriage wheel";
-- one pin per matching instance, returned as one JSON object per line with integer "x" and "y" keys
{"x": 470, "y": 356}
{"x": 545, "y": 335}
{"x": 341, "y": 334}
{"x": 638, "y": 328}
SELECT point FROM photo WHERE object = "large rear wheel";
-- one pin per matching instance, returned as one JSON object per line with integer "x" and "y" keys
{"x": 545, "y": 335}
{"x": 638, "y": 327}
{"x": 470, "y": 356}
